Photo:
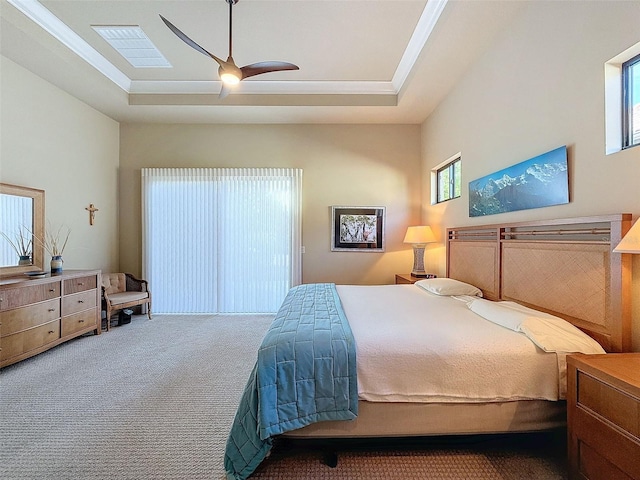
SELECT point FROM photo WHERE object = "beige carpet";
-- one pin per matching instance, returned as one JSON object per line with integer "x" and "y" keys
{"x": 155, "y": 399}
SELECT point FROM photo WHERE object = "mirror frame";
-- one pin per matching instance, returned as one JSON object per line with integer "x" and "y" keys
{"x": 37, "y": 258}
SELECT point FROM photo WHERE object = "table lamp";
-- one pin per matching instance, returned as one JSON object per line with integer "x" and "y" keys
{"x": 630, "y": 243}
{"x": 419, "y": 236}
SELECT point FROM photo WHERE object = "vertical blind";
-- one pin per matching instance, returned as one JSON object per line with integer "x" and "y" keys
{"x": 16, "y": 220}
{"x": 221, "y": 240}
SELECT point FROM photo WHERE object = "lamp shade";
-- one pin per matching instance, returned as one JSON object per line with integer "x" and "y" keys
{"x": 630, "y": 243}
{"x": 419, "y": 235}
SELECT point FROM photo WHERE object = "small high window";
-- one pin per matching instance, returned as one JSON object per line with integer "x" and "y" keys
{"x": 631, "y": 102}
{"x": 622, "y": 100}
{"x": 448, "y": 178}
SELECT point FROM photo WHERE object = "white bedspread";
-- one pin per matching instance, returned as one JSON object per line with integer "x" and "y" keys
{"x": 414, "y": 346}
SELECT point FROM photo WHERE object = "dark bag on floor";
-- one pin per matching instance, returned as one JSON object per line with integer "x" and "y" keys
{"x": 124, "y": 316}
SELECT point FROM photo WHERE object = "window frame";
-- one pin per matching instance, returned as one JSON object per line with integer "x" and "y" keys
{"x": 627, "y": 107}
{"x": 448, "y": 164}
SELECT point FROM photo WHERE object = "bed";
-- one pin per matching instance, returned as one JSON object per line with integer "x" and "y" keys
{"x": 562, "y": 269}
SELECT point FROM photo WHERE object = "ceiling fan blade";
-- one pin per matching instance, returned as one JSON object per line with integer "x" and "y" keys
{"x": 266, "y": 67}
{"x": 224, "y": 91}
{"x": 190, "y": 42}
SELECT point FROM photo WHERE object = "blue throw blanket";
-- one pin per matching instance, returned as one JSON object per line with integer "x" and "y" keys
{"x": 305, "y": 373}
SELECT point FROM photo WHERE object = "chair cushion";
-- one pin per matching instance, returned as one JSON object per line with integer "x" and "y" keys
{"x": 114, "y": 282}
{"x": 125, "y": 297}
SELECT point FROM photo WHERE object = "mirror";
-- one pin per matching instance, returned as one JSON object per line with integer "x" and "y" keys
{"x": 21, "y": 217}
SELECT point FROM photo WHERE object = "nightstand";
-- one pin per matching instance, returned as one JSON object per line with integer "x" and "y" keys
{"x": 603, "y": 416}
{"x": 407, "y": 278}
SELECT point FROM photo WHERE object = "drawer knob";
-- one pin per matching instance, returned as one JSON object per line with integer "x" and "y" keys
{"x": 52, "y": 310}
{"x": 50, "y": 332}
{"x": 80, "y": 321}
{"x": 52, "y": 290}
{"x": 80, "y": 301}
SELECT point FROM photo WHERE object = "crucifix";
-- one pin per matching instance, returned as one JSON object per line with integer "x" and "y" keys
{"x": 92, "y": 212}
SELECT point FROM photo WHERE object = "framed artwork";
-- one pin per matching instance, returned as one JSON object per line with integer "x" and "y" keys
{"x": 541, "y": 181}
{"x": 357, "y": 229}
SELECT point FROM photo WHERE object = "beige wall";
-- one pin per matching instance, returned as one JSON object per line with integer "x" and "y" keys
{"x": 342, "y": 164}
{"x": 541, "y": 86}
{"x": 52, "y": 141}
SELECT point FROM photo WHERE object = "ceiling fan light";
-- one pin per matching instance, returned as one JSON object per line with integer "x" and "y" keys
{"x": 229, "y": 78}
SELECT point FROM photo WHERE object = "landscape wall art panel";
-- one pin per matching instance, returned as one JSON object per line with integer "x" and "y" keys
{"x": 538, "y": 182}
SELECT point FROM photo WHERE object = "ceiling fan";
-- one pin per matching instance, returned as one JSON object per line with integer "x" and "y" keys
{"x": 230, "y": 73}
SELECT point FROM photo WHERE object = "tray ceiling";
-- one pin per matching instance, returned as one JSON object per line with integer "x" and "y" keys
{"x": 375, "y": 61}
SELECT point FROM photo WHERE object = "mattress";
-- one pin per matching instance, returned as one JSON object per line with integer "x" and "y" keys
{"x": 414, "y": 346}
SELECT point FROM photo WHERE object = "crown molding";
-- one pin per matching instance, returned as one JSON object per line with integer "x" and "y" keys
{"x": 430, "y": 15}
{"x": 54, "y": 26}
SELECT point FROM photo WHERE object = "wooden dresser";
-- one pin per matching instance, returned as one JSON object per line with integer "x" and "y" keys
{"x": 40, "y": 313}
{"x": 603, "y": 408}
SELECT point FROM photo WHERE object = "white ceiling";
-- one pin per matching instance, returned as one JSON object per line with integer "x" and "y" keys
{"x": 361, "y": 61}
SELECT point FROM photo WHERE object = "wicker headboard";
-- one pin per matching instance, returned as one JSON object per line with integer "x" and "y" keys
{"x": 563, "y": 267}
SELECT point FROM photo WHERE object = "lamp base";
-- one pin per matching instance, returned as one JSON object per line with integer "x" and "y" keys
{"x": 418, "y": 260}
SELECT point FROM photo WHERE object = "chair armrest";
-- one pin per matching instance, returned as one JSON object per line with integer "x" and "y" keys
{"x": 135, "y": 284}
{"x": 105, "y": 295}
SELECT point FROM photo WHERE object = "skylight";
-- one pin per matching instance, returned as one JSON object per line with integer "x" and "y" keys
{"x": 133, "y": 44}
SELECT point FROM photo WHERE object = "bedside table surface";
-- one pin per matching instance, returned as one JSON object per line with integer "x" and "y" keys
{"x": 404, "y": 278}
{"x": 612, "y": 367}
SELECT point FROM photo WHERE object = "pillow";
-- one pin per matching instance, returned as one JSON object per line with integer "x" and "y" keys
{"x": 548, "y": 332}
{"x": 448, "y": 286}
{"x": 530, "y": 311}
{"x": 557, "y": 335}
{"x": 498, "y": 313}
{"x": 510, "y": 315}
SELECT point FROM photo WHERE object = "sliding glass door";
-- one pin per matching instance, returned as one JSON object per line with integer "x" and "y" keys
{"x": 221, "y": 240}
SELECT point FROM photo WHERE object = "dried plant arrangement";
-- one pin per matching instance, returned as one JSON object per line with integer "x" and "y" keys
{"x": 21, "y": 242}
{"x": 55, "y": 240}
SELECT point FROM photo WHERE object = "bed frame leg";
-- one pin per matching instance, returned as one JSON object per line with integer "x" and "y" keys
{"x": 331, "y": 459}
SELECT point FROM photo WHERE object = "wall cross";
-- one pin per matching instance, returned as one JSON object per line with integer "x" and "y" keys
{"x": 92, "y": 212}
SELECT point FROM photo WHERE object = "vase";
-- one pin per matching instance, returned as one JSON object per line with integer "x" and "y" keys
{"x": 56, "y": 264}
{"x": 24, "y": 260}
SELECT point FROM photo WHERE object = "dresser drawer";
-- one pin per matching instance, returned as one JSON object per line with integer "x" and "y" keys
{"x": 78, "y": 302}
{"x": 593, "y": 465}
{"x": 615, "y": 406}
{"x": 24, "y": 318}
{"x": 603, "y": 416}
{"x": 80, "y": 284}
{"x": 611, "y": 443}
{"x": 18, "y": 297}
{"x": 23, "y": 342}
{"x": 78, "y": 321}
